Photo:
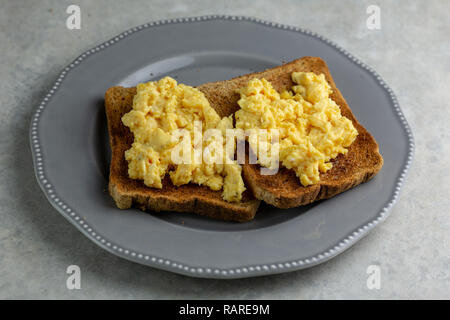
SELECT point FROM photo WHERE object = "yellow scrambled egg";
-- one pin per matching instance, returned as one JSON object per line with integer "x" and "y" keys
{"x": 312, "y": 130}
{"x": 161, "y": 108}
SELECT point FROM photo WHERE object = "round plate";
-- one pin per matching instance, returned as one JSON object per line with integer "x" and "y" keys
{"x": 69, "y": 142}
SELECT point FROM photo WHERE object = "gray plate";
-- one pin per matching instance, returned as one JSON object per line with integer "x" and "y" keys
{"x": 70, "y": 150}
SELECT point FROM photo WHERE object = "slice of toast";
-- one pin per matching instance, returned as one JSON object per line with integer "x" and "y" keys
{"x": 283, "y": 190}
{"x": 128, "y": 192}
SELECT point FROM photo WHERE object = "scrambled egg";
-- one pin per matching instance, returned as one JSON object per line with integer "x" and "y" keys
{"x": 159, "y": 109}
{"x": 312, "y": 130}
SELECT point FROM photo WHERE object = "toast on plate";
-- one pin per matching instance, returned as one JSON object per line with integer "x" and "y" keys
{"x": 129, "y": 192}
{"x": 284, "y": 190}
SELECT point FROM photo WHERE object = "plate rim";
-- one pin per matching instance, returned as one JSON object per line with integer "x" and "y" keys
{"x": 199, "y": 271}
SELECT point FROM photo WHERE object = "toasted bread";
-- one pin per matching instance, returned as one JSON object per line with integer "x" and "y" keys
{"x": 362, "y": 162}
{"x": 128, "y": 192}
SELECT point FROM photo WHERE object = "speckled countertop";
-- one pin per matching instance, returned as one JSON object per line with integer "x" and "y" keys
{"x": 412, "y": 247}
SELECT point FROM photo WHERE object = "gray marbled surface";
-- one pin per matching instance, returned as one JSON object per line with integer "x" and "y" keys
{"x": 412, "y": 248}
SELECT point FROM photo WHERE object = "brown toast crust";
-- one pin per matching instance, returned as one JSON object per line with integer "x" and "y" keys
{"x": 128, "y": 192}
{"x": 362, "y": 162}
